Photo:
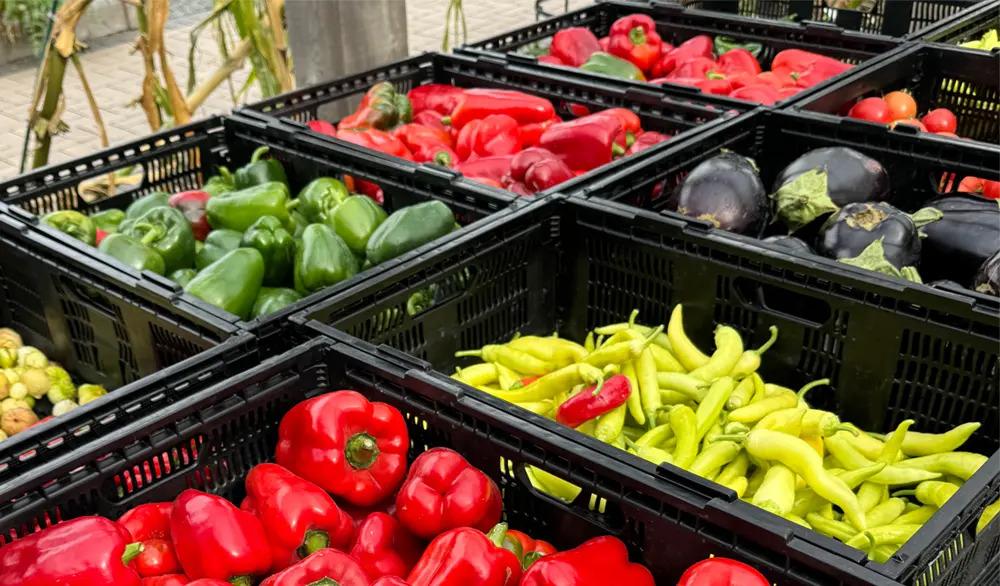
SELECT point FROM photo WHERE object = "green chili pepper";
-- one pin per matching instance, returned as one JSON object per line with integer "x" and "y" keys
{"x": 934, "y": 492}
{"x": 806, "y": 500}
{"x": 724, "y": 44}
{"x": 167, "y": 231}
{"x": 756, "y": 411}
{"x": 609, "y": 425}
{"x": 620, "y": 353}
{"x": 108, "y": 220}
{"x": 960, "y": 464}
{"x": 322, "y": 259}
{"x": 319, "y": 198}
{"x": 407, "y": 229}
{"x": 863, "y": 442}
{"x": 355, "y": 220}
{"x": 729, "y": 348}
{"x": 549, "y": 385}
{"x": 477, "y": 375}
{"x": 74, "y": 224}
{"x": 714, "y": 457}
{"x": 683, "y": 348}
{"x": 685, "y": 426}
{"x": 892, "y": 475}
{"x": 665, "y": 361}
{"x": 634, "y": 400}
{"x": 182, "y": 276}
{"x": 653, "y": 454}
{"x": 649, "y": 389}
{"x": 988, "y": 514}
{"x": 607, "y": 64}
{"x": 683, "y": 383}
{"x": 258, "y": 172}
{"x": 139, "y": 207}
{"x": 270, "y": 300}
{"x": 557, "y": 351}
{"x": 711, "y": 407}
{"x": 738, "y": 485}
{"x": 216, "y": 245}
{"x": 132, "y": 253}
{"x": 777, "y": 492}
{"x": 656, "y": 436}
{"x": 886, "y": 512}
{"x": 784, "y": 420}
{"x": 232, "y": 282}
{"x": 927, "y": 444}
{"x": 836, "y": 529}
{"x": 552, "y": 485}
{"x": 918, "y": 516}
{"x": 885, "y": 535}
{"x": 276, "y": 245}
{"x": 517, "y": 360}
{"x": 742, "y": 394}
{"x": 819, "y": 423}
{"x": 749, "y": 361}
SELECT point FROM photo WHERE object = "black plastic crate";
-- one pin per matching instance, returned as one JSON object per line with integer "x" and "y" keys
{"x": 676, "y": 24}
{"x": 895, "y": 18}
{"x": 183, "y": 159}
{"x": 564, "y": 87}
{"x": 967, "y": 25}
{"x": 571, "y": 264}
{"x": 963, "y": 80}
{"x": 916, "y": 166}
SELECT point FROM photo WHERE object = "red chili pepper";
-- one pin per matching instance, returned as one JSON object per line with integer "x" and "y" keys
{"x": 496, "y": 134}
{"x": 574, "y": 45}
{"x": 192, "y": 205}
{"x": 325, "y": 566}
{"x": 699, "y": 46}
{"x": 436, "y": 97}
{"x": 598, "y": 562}
{"x": 491, "y": 168}
{"x": 697, "y": 67}
{"x": 166, "y": 580}
{"x": 443, "y": 491}
{"x": 377, "y": 140}
{"x": 214, "y": 539}
{"x": 760, "y": 93}
{"x": 466, "y": 556}
{"x": 347, "y": 445}
{"x": 530, "y": 133}
{"x": 584, "y": 143}
{"x": 480, "y": 103}
{"x": 722, "y": 572}
{"x": 81, "y": 552}
{"x": 427, "y": 144}
{"x": 383, "y": 548}
{"x": 737, "y": 61}
{"x": 550, "y": 60}
{"x": 298, "y": 516}
{"x": 635, "y": 39}
{"x": 594, "y": 401}
{"x": 527, "y": 549}
{"x": 322, "y": 127}
{"x": 982, "y": 187}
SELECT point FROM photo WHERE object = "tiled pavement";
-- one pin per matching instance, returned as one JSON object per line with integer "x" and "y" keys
{"x": 115, "y": 73}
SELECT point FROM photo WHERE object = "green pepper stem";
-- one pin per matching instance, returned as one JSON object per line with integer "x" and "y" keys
{"x": 466, "y": 353}
{"x": 497, "y": 534}
{"x": 315, "y": 541}
{"x": 361, "y": 451}
{"x": 632, "y": 317}
{"x": 241, "y": 581}
{"x": 770, "y": 341}
{"x": 810, "y": 386}
{"x": 131, "y": 552}
{"x": 617, "y": 150}
{"x": 446, "y": 120}
{"x": 841, "y": 427}
{"x": 736, "y": 438}
{"x": 324, "y": 582}
{"x": 258, "y": 153}
{"x": 637, "y": 35}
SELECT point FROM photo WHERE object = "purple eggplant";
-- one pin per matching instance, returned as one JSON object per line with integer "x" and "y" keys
{"x": 790, "y": 244}
{"x": 988, "y": 277}
{"x": 726, "y": 191}
{"x": 850, "y": 231}
{"x": 966, "y": 235}
{"x": 824, "y": 180}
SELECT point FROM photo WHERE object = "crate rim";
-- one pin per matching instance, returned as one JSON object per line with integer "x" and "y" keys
{"x": 932, "y": 32}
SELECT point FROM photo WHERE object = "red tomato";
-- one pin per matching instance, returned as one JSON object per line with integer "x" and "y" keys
{"x": 940, "y": 120}
{"x": 901, "y": 105}
{"x": 951, "y": 134}
{"x": 909, "y": 122}
{"x": 871, "y": 109}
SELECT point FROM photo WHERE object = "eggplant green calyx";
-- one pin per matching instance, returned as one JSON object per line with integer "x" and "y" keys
{"x": 803, "y": 199}
{"x": 873, "y": 259}
{"x": 925, "y": 216}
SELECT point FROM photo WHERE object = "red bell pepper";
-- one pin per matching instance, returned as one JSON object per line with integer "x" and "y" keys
{"x": 383, "y": 548}
{"x": 496, "y": 134}
{"x": 298, "y": 516}
{"x": 574, "y": 45}
{"x": 381, "y": 108}
{"x": 376, "y": 140}
{"x": 323, "y": 567}
{"x": 432, "y": 119}
{"x": 699, "y": 46}
{"x": 208, "y": 582}
{"x": 604, "y": 42}
{"x": 81, "y": 552}
{"x": 489, "y": 168}
{"x": 796, "y": 60}
{"x": 722, "y": 572}
{"x": 738, "y": 61}
{"x": 480, "y": 103}
{"x": 713, "y": 83}
{"x": 517, "y": 187}
{"x": 594, "y": 401}
{"x": 99, "y": 236}
{"x": 466, "y": 556}
{"x": 527, "y": 549}
{"x": 434, "y": 97}
{"x": 156, "y": 559}
{"x": 537, "y": 169}
{"x": 978, "y": 186}
{"x": 760, "y": 93}
{"x": 630, "y": 123}
{"x": 148, "y": 521}
{"x": 322, "y": 127}
{"x": 347, "y": 445}
{"x": 697, "y": 67}
{"x": 531, "y": 133}
{"x": 647, "y": 139}
{"x": 550, "y": 60}
{"x": 390, "y": 581}
{"x": 214, "y": 539}
{"x": 584, "y": 143}
{"x": 166, "y": 580}
{"x": 443, "y": 491}
{"x": 775, "y": 78}
{"x": 372, "y": 190}
{"x": 635, "y": 39}
{"x": 820, "y": 71}
{"x": 427, "y": 144}
{"x": 192, "y": 205}
{"x": 598, "y": 562}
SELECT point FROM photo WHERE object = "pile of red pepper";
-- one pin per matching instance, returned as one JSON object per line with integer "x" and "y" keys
{"x": 721, "y": 66}
{"x": 504, "y": 138}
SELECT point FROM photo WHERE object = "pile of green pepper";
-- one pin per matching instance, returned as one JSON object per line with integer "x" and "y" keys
{"x": 244, "y": 244}
{"x": 654, "y": 393}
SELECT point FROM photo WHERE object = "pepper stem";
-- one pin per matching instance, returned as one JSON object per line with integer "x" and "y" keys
{"x": 446, "y": 120}
{"x": 442, "y": 158}
{"x": 637, "y": 35}
{"x": 361, "y": 451}
{"x": 258, "y": 153}
{"x": 842, "y": 427}
{"x": 131, "y": 552}
{"x": 314, "y": 541}
{"x": 324, "y": 582}
{"x": 465, "y": 353}
{"x": 497, "y": 534}
{"x": 810, "y": 386}
{"x": 770, "y": 341}
{"x": 241, "y": 581}
{"x": 617, "y": 150}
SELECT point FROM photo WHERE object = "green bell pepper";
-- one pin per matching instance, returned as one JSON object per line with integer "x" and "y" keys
{"x": 182, "y": 276}
{"x": 270, "y": 300}
{"x": 139, "y": 207}
{"x": 216, "y": 245}
{"x": 108, "y": 220}
{"x": 275, "y": 244}
{"x": 409, "y": 228}
{"x": 608, "y": 64}
{"x": 232, "y": 282}
{"x": 356, "y": 220}
{"x": 73, "y": 223}
{"x": 322, "y": 259}
{"x": 133, "y": 253}
{"x": 725, "y": 44}
{"x": 168, "y": 232}
{"x": 299, "y": 223}
{"x": 219, "y": 184}
{"x": 237, "y": 210}
{"x": 320, "y": 197}
{"x": 259, "y": 171}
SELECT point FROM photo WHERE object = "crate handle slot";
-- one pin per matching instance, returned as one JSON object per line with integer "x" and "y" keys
{"x": 93, "y": 301}
{"x": 805, "y": 309}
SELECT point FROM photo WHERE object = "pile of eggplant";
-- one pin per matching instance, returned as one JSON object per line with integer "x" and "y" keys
{"x": 837, "y": 202}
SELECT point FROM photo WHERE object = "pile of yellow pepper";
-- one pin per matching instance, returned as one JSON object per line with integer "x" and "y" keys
{"x": 653, "y": 392}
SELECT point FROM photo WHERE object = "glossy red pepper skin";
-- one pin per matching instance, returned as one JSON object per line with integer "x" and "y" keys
{"x": 390, "y": 581}
{"x": 328, "y": 564}
{"x": 214, "y": 539}
{"x": 647, "y": 139}
{"x": 760, "y": 94}
{"x": 523, "y": 161}
{"x": 546, "y": 175}
{"x": 435, "y": 97}
{"x": 432, "y": 119}
{"x": 377, "y": 140}
{"x": 981, "y": 187}
{"x": 738, "y": 61}
{"x": 350, "y": 447}
{"x": 81, "y": 552}
{"x": 531, "y": 133}
{"x": 550, "y": 60}
{"x": 489, "y": 168}
{"x": 466, "y": 556}
{"x": 635, "y": 39}
{"x": 707, "y": 85}
{"x": 574, "y": 45}
{"x": 697, "y": 67}
{"x": 820, "y": 71}
{"x": 584, "y": 143}
{"x": 496, "y": 134}
{"x": 592, "y": 402}
{"x": 322, "y": 127}
{"x": 527, "y": 549}
{"x": 443, "y": 491}
{"x": 428, "y": 144}
{"x": 598, "y": 562}
{"x": 722, "y": 572}
{"x": 298, "y": 516}
{"x": 383, "y": 548}
{"x": 208, "y": 582}
{"x": 156, "y": 559}
{"x": 699, "y": 46}
{"x": 192, "y": 205}
{"x": 166, "y": 580}
{"x": 475, "y": 104}
{"x": 148, "y": 521}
